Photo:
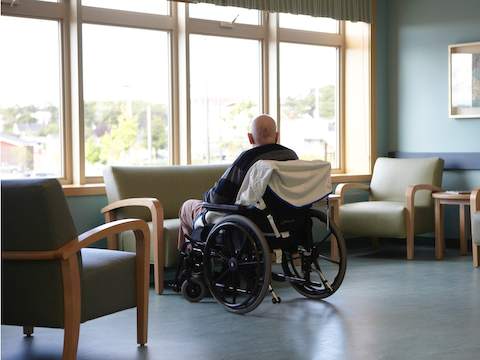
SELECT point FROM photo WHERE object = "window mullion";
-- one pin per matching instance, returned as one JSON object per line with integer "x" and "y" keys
{"x": 214, "y": 28}
{"x": 174, "y": 141}
{"x": 76, "y": 88}
{"x": 101, "y": 16}
{"x": 184, "y": 127}
{"x": 66, "y": 110}
{"x": 274, "y": 70}
{"x": 35, "y": 9}
{"x": 309, "y": 37}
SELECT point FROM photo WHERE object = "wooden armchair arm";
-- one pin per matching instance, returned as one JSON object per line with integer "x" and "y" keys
{"x": 87, "y": 238}
{"x": 412, "y": 190}
{"x": 156, "y": 211}
{"x": 475, "y": 201}
{"x": 341, "y": 189}
{"x": 152, "y": 204}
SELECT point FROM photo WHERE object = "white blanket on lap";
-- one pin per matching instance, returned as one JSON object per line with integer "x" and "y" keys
{"x": 298, "y": 182}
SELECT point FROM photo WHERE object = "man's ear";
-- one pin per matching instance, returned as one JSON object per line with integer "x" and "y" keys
{"x": 276, "y": 137}
{"x": 250, "y": 138}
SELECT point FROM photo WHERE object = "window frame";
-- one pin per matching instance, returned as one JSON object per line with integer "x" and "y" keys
{"x": 71, "y": 15}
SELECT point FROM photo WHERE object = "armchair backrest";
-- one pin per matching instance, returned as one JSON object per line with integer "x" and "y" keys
{"x": 391, "y": 177}
{"x": 35, "y": 217}
{"x": 171, "y": 185}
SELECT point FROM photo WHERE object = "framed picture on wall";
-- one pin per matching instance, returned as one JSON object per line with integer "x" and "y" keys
{"x": 464, "y": 80}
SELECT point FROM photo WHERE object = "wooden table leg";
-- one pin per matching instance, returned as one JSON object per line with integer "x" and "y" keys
{"x": 463, "y": 238}
{"x": 439, "y": 235}
{"x": 475, "y": 253}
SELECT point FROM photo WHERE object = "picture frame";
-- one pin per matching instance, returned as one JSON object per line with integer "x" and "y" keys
{"x": 464, "y": 80}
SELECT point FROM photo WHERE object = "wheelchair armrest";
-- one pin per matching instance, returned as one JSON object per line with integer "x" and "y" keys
{"x": 226, "y": 208}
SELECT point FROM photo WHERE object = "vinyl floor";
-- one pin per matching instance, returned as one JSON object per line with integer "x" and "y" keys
{"x": 387, "y": 308}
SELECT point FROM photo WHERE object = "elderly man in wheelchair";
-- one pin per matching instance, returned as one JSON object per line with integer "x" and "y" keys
{"x": 280, "y": 206}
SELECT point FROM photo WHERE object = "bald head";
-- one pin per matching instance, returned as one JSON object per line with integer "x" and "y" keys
{"x": 264, "y": 131}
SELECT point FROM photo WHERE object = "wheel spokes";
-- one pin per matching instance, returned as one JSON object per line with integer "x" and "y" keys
{"x": 328, "y": 259}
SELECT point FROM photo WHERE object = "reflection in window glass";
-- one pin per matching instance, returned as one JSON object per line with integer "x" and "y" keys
{"x": 160, "y": 7}
{"x": 126, "y": 97}
{"x": 224, "y": 13}
{"x": 30, "y": 98}
{"x": 309, "y": 101}
{"x": 310, "y": 23}
{"x": 225, "y": 96}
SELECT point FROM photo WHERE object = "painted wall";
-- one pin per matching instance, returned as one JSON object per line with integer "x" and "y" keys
{"x": 382, "y": 77}
{"x": 419, "y": 32}
{"x": 418, "y": 35}
{"x": 86, "y": 214}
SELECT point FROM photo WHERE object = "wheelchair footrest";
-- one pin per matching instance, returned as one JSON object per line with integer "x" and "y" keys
{"x": 278, "y": 277}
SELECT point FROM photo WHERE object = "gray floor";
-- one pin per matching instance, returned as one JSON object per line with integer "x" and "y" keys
{"x": 387, "y": 308}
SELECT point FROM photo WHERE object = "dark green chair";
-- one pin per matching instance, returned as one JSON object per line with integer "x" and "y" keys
{"x": 49, "y": 277}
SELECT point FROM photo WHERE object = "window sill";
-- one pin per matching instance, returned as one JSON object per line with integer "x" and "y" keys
{"x": 99, "y": 189}
{"x": 84, "y": 190}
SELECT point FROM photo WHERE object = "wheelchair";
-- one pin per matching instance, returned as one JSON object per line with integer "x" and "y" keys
{"x": 228, "y": 254}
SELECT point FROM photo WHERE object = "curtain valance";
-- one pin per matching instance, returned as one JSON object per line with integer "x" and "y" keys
{"x": 352, "y": 10}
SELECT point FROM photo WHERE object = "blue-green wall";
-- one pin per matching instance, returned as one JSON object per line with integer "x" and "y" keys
{"x": 381, "y": 77}
{"x": 86, "y": 214}
{"x": 418, "y": 34}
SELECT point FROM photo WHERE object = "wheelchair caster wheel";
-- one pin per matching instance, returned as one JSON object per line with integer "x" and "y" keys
{"x": 276, "y": 301}
{"x": 174, "y": 286}
{"x": 193, "y": 290}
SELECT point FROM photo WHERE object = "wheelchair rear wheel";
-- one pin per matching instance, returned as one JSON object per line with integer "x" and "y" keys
{"x": 319, "y": 271}
{"x": 237, "y": 264}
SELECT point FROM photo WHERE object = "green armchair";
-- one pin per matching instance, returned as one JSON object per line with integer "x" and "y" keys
{"x": 400, "y": 203}
{"x": 49, "y": 277}
{"x": 475, "y": 217}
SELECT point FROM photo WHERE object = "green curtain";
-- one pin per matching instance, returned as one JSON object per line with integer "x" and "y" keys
{"x": 352, "y": 10}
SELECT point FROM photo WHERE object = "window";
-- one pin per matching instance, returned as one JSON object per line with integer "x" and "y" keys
{"x": 309, "y": 101}
{"x": 30, "y": 99}
{"x": 154, "y": 82}
{"x": 225, "y": 95}
{"x": 224, "y": 13}
{"x": 126, "y": 97}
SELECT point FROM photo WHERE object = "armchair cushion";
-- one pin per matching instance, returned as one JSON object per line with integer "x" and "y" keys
{"x": 170, "y": 238}
{"x": 373, "y": 218}
{"x": 476, "y": 227}
{"x": 107, "y": 282}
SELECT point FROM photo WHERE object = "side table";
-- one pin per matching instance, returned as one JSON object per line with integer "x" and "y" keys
{"x": 462, "y": 199}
